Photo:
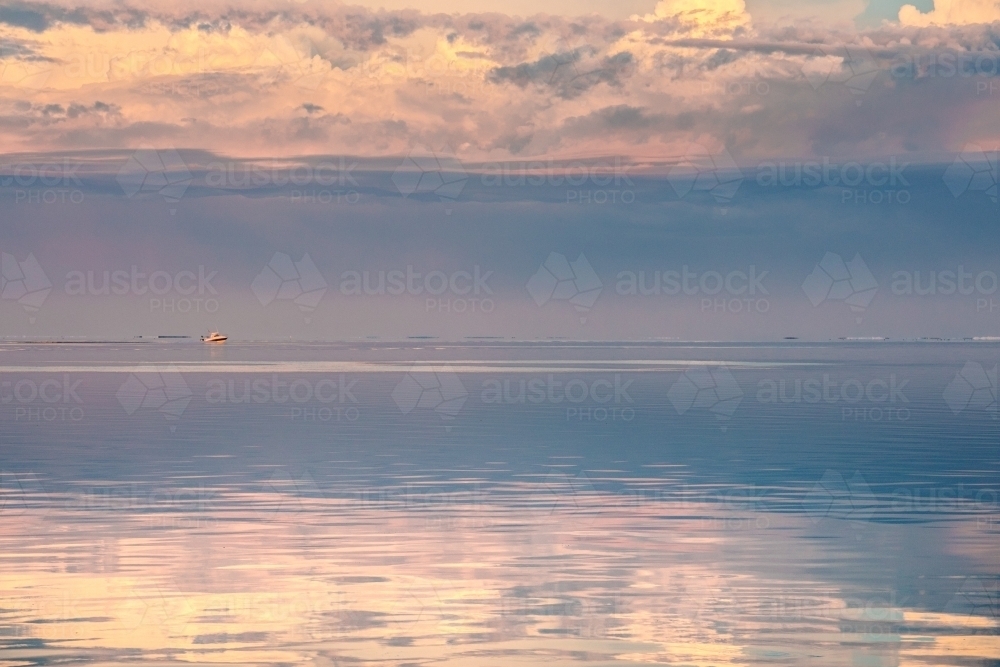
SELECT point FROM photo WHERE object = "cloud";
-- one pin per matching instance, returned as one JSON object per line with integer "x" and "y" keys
{"x": 569, "y": 73}
{"x": 703, "y": 17}
{"x": 952, "y": 12}
{"x": 332, "y": 79}
{"x": 23, "y": 17}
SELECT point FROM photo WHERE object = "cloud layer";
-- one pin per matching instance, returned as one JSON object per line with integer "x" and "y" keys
{"x": 308, "y": 79}
{"x": 952, "y": 11}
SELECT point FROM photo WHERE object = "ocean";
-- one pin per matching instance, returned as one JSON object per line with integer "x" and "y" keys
{"x": 491, "y": 503}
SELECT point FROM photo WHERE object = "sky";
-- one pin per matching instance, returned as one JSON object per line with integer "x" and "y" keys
{"x": 727, "y": 137}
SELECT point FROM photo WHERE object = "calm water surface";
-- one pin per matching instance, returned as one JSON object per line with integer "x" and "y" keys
{"x": 822, "y": 504}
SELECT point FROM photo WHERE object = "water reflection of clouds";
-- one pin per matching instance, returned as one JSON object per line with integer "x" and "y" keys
{"x": 649, "y": 582}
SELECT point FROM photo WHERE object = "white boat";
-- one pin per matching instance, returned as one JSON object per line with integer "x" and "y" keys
{"x": 214, "y": 337}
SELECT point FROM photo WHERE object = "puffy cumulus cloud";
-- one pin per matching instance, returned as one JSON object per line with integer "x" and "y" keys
{"x": 952, "y": 12}
{"x": 703, "y": 18}
{"x": 292, "y": 79}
